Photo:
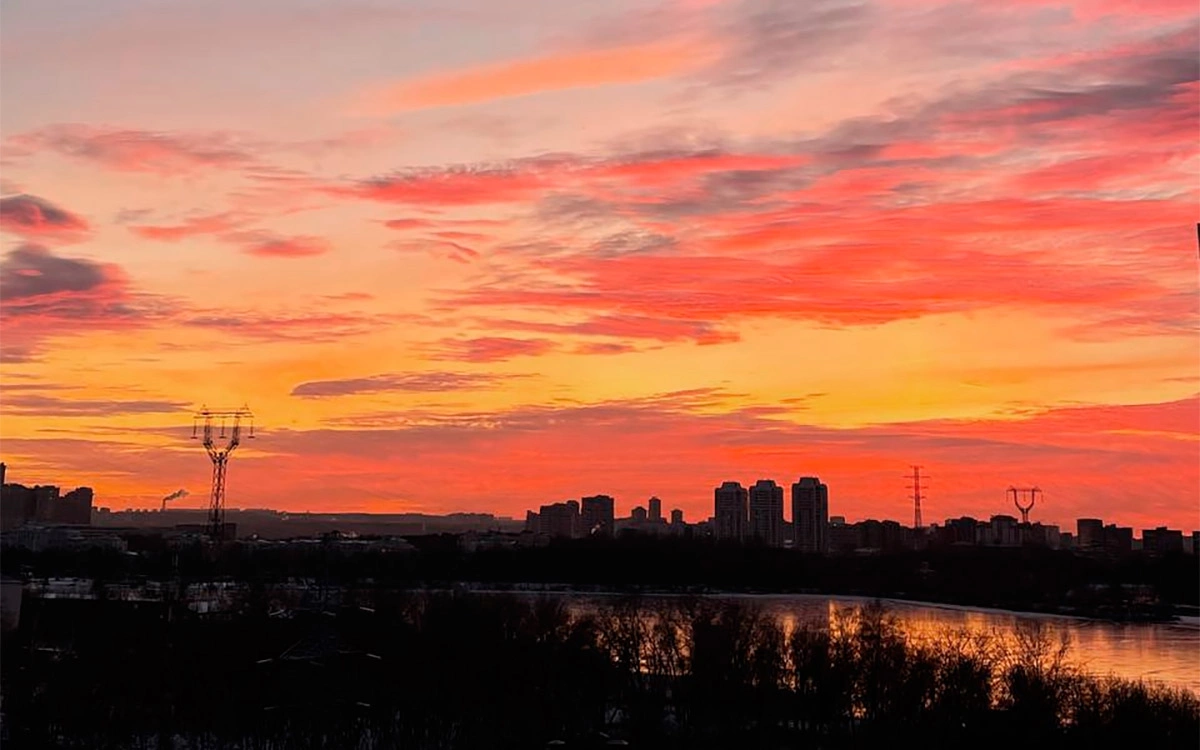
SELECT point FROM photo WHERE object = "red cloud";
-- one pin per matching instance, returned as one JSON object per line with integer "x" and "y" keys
{"x": 272, "y": 246}
{"x": 198, "y": 225}
{"x": 489, "y": 349}
{"x": 844, "y": 284}
{"x": 626, "y": 327}
{"x": 43, "y": 295}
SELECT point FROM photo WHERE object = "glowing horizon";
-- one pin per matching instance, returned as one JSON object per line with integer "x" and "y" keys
{"x": 458, "y": 257}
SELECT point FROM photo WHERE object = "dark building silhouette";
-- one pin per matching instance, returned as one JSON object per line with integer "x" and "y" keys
{"x": 655, "y": 506}
{"x": 1118, "y": 540}
{"x": 729, "y": 511}
{"x": 1161, "y": 541}
{"x": 677, "y": 517}
{"x": 1090, "y": 534}
{"x": 1001, "y": 531}
{"x": 766, "y": 513}
{"x": 960, "y": 531}
{"x": 43, "y": 504}
{"x": 559, "y": 519}
{"x": 638, "y": 515}
{"x": 810, "y": 515}
{"x": 598, "y": 515}
{"x": 843, "y": 537}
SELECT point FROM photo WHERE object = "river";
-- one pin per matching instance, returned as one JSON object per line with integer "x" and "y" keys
{"x": 1168, "y": 653}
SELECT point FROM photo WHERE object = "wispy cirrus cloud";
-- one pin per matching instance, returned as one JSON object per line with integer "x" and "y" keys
{"x": 421, "y": 382}
{"x": 559, "y": 71}
{"x": 131, "y": 150}
{"x": 204, "y": 224}
{"x": 488, "y": 348}
{"x": 270, "y": 245}
{"x": 49, "y": 406}
{"x": 629, "y": 327}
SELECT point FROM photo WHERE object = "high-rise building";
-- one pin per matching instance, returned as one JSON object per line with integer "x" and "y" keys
{"x": 729, "y": 511}
{"x": 655, "y": 510}
{"x": 597, "y": 516}
{"x": 559, "y": 519}
{"x": 810, "y": 515}
{"x": 1090, "y": 534}
{"x": 677, "y": 517}
{"x": 766, "y": 513}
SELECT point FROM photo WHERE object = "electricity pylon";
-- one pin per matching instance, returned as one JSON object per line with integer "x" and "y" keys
{"x": 222, "y": 433}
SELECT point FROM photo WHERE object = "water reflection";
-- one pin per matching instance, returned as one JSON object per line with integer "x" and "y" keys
{"x": 1166, "y": 653}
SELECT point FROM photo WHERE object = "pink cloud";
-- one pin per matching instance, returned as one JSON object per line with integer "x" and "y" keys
{"x": 197, "y": 225}
{"x": 44, "y": 295}
{"x": 138, "y": 150}
{"x": 37, "y": 218}
{"x": 268, "y": 245}
{"x": 552, "y": 72}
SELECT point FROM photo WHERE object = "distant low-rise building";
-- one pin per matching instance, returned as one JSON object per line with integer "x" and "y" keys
{"x": 1118, "y": 540}
{"x": 1162, "y": 541}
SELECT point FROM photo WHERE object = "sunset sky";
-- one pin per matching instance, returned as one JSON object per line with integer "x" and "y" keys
{"x": 474, "y": 255}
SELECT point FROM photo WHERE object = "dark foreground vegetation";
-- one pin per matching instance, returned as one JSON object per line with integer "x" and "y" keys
{"x": 1030, "y": 579}
{"x": 399, "y": 670}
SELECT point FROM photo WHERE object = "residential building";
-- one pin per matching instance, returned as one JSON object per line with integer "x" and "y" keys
{"x": 1161, "y": 541}
{"x": 810, "y": 515}
{"x": 655, "y": 510}
{"x": 1089, "y": 535}
{"x": 559, "y": 519}
{"x": 1118, "y": 540}
{"x": 597, "y": 516}
{"x": 729, "y": 511}
{"x": 766, "y": 513}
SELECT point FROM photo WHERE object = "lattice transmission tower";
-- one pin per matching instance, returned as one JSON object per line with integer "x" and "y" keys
{"x": 917, "y": 497}
{"x": 221, "y": 434}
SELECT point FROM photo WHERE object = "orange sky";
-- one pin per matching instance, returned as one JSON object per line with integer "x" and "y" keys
{"x": 471, "y": 256}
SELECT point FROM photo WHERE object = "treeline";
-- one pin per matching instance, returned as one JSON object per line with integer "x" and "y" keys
{"x": 415, "y": 671}
{"x": 1023, "y": 578}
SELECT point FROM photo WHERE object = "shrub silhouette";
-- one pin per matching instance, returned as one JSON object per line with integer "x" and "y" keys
{"x": 399, "y": 669}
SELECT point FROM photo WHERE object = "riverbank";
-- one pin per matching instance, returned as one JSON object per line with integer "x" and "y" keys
{"x": 1164, "y": 615}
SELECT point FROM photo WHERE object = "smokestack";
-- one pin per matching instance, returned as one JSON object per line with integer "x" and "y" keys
{"x": 173, "y": 496}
